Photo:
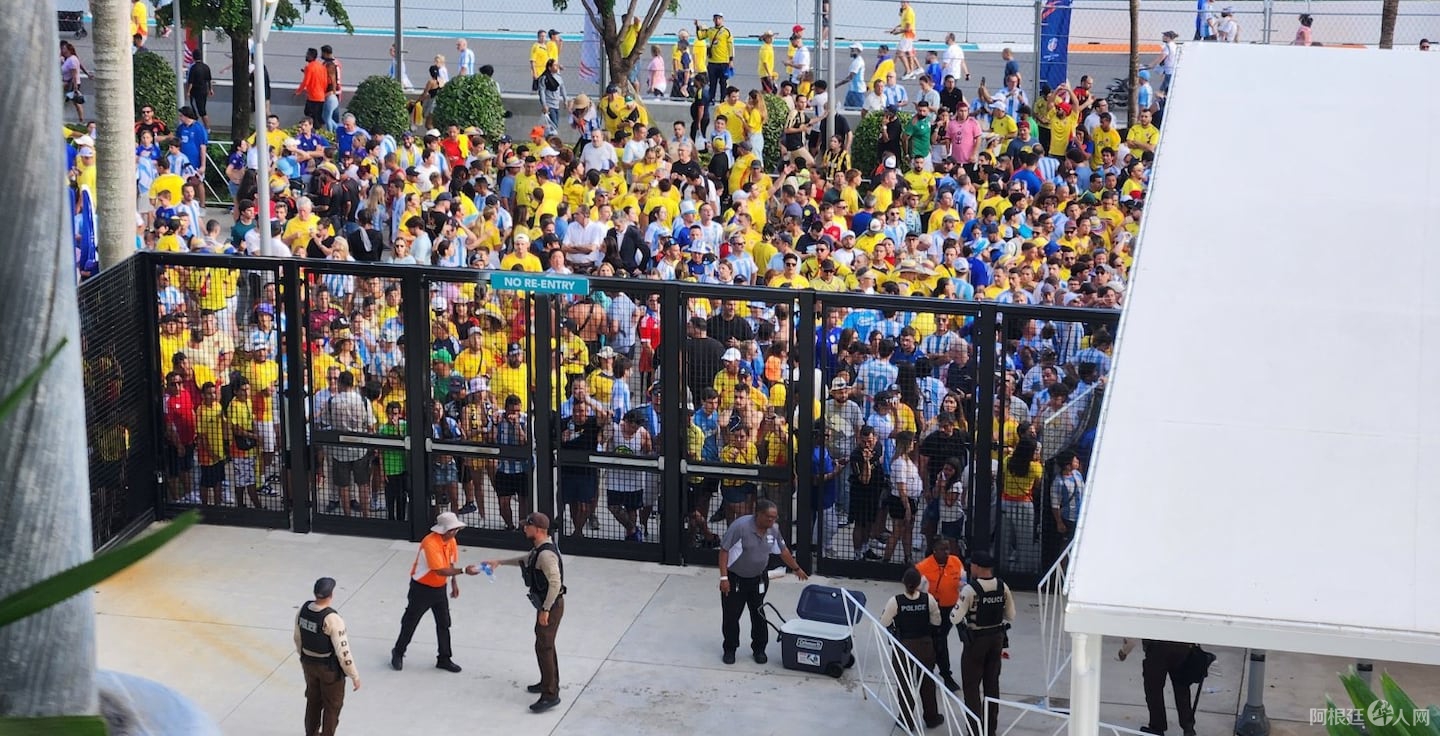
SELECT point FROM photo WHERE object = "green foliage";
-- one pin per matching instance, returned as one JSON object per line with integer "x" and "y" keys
{"x": 155, "y": 86}
{"x": 471, "y": 100}
{"x": 379, "y": 106}
{"x": 867, "y": 137}
{"x": 53, "y": 726}
{"x": 774, "y": 130}
{"x": 232, "y": 17}
{"x": 1392, "y": 713}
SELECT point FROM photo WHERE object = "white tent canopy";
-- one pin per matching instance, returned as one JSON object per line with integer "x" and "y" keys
{"x": 1261, "y": 475}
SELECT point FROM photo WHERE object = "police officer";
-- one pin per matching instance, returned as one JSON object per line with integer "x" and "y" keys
{"x": 913, "y": 617}
{"x": 1164, "y": 659}
{"x": 543, "y": 571}
{"x": 986, "y": 610}
{"x": 744, "y": 556}
{"x": 325, "y": 658}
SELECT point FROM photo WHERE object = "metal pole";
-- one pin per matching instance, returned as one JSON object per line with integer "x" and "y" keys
{"x": 1252, "y": 720}
{"x": 399, "y": 44}
{"x": 1366, "y": 670}
{"x": 1085, "y": 683}
{"x": 179, "y": 32}
{"x": 262, "y": 141}
{"x": 815, "y": 66}
{"x": 830, "y": 90}
{"x": 1035, "y": 80}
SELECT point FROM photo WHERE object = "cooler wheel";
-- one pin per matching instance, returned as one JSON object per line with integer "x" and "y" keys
{"x": 834, "y": 670}
{"x": 849, "y": 661}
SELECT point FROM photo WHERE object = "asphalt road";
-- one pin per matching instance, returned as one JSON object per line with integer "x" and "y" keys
{"x": 364, "y": 55}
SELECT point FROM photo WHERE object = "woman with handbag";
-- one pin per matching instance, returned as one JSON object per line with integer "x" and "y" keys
{"x": 72, "y": 70}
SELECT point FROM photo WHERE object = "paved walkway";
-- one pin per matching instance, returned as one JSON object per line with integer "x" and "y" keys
{"x": 211, "y": 615}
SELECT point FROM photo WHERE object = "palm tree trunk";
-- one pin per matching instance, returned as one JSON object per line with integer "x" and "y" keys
{"x": 115, "y": 149}
{"x": 1134, "y": 114}
{"x": 47, "y": 661}
{"x": 242, "y": 104}
{"x": 1389, "y": 11}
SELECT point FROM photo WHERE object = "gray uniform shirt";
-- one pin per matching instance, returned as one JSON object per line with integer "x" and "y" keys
{"x": 750, "y": 549}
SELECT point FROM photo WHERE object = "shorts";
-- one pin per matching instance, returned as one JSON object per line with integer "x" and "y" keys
{"x": 266, "y": 431}
{"x": 698, "y": 495}
{"x": 952, "y": 529}
{"x": 906, "y": 45}
{"x": 578, "y": 486}
{"x": 178, "y": 462}
{"x": 200, "y": 103}
{"x": 510, "y": 484}
{"x": 863, "y": 505}
{"x": 346, "y": 472}
{"x": 896, "y": 507}
{"x": 444, "y": 473}
{"x": 737, "y": 494}
{"x": 243, "y": 471}
{"x": 212, "y": 476}
{"x": 628, "y": 500}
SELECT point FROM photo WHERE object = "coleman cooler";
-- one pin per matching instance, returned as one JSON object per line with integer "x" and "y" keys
{"x": 818, "y": 639}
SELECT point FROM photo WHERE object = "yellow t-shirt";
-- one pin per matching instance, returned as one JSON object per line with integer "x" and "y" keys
{"x": 524, "y": 186}
{"x": 1062, "y": 127}
{"x": 766, "y": 65}
{"x": 743, "y": 455}
{"x": 701, "y": 55}
{"x": 241, "y": 415}
{"x": 210, "y": 433}
{"x": 168, "y": 244}
{"x": 922, "y": 183}
{"x": 1103, "y": 139}
{"x": 721, "y": 41}
{"x": 471, "y": 363}
{"x": 554, "y": 194}
{"x": 882, "y": 70}
{"x": 139, "y": 18}
{"x": 552, "y": 51}
{"x": 628, "y": 38}
{"x": 734, "y": 117}
{"x": 1147, "y": 134}
{"x": 795, "y": 282}
{"x": 507, "y": 381}
{"x": 884, "y": 196}
{"x": 907, "y": 23}
{"x": 263, "y": 375}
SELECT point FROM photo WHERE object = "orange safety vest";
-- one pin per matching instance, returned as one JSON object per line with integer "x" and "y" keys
{"x": 434, "y": 552}
{"x": 944, "y": 582}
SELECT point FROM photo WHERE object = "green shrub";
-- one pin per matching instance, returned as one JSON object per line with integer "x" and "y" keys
{"x": 379, "y": 106}
{"x": 774, "y": 130}
{"x": 471, "y": 100}
{"x": 155, "y": 86}
{"x": 867, "y": 137}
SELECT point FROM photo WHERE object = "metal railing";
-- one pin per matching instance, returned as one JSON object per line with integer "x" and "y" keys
{"x": 876, "y": 668}
{"x": 1041, "y": 721}
{"x": 1054, "y": 643}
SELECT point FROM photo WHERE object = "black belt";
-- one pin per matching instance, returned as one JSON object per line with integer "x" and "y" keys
{"x": 987, "y": 631}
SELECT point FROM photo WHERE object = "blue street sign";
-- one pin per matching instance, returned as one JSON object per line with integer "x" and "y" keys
{"x": 539, "y": 283}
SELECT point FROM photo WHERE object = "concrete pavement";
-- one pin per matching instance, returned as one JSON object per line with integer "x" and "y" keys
{"x": 211, "y": 616}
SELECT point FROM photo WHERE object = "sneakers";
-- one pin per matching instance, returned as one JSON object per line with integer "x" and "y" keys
{"x": 594, "y": 524}
{"x": 935, "y": 722}
{"x": 397, "y": 660}
{"x": 533, "y": 688}
{"x": 728, "y": 657}
{"x": 332, "y": 507}
{"x": 636, "y": 536}
{"x": 870, "y": 554}
{"x": 375, "y": 505}
{"x": 544, "y": 704}
{"x": 354, "y": 506}
{"x": 468, "y": 508}
{"x": 447, "y": 665}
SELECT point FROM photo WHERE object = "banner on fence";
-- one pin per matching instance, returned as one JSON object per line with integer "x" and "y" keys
{"x": 1055, "y": 42}
{"x": 590, "y": 46}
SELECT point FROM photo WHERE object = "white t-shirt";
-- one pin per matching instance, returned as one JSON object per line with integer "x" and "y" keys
{"x": 599, "y": 158}
{"x": 591, "y": 233}
{"x": 954, "y": 61}
{"x": 904, "y": 473}
{"x": 857, "y": 75}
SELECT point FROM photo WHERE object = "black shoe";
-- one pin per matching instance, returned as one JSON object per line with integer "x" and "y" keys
{"x": 397, "y": 660}
{"x": 728, "y": 658}
{"x": 447, "y": 665}
{"x": 533, "y": 688}
{"x": 332, "y": 507}
{"x": 544, "y": 704}
{"x": 951, "y": 684}
{"x": 1189, "y": 732}
{"x": 760, "y": 658}
{"x": 870, "y": 554}
{"x": 354, "y": 506}
{"x": 935, "y": 722}
{"x": 468, "y": 508}
{"x": 1147, "y": 729}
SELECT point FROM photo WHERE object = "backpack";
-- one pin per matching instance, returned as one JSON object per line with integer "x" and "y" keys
{"x": 550, "y": 82}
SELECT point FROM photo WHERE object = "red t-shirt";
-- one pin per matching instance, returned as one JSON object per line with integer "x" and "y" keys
{"x": 180, "y": 414}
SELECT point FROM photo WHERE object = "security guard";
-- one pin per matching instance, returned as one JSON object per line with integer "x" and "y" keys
{"x": 543, "y": 571}
{"x": 325, "y": 658}
{"x": 1164, "y": 659}
{"x": 913, "y": 616}
{"x": 744, "y": 556}
{"x": 943, "y": 577}
{"x": 986, "y": 610}
{"x": 437, "y": 559}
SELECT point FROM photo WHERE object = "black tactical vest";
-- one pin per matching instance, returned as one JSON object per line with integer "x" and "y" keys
{"x": 312, "y": 634}
{"x": 989, "y": 609}
{"x": 912, "y": 619}
{"x": 536, "y": 584}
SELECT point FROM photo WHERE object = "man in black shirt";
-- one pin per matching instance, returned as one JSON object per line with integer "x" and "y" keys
{"x": 950, "y": 95}
{"x": 728, "y": 328}
{"x": 366, "y": 243}
{"x": 200, "y": 86}
{"x": 941, "y": 445}
{"x": 702, "y": 354}
{"x": 868, "y": 486}
{"x": 889, "y": 144}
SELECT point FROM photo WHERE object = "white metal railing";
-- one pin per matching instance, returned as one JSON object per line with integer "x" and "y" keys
{"x": 1033, "y": 720}
{"x": 1054, "y": 642}
{"x": 878, "y": 655}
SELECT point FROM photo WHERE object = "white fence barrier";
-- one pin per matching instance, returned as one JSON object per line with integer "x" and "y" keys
{"x": 1020, "y": 719}
{"x": 1054, "y": 642}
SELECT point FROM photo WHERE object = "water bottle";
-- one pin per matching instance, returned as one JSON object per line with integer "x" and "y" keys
{"x": 488, "y": 570}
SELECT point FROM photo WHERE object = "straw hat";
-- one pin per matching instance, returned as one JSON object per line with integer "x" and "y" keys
{"x": 580, "y": 101}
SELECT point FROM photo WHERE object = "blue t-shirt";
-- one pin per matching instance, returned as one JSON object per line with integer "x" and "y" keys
{"x": 344, "y": 141}
{"x": 821, "y": 465}
{"x": 193, "y": 139}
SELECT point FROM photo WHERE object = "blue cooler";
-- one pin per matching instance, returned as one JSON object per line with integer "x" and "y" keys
{"x": 818, "y": 639}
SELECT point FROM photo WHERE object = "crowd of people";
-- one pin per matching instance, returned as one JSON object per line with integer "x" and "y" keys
{"x": 980, "y": 196}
